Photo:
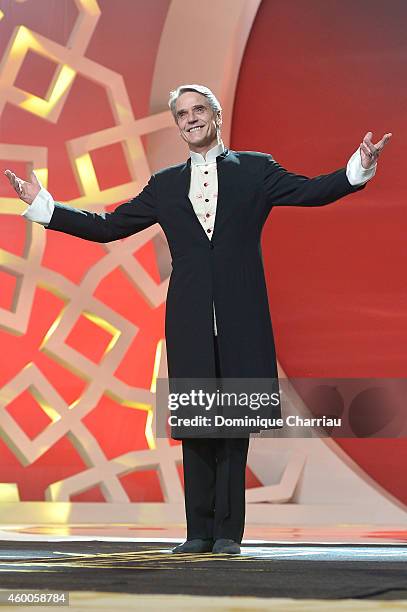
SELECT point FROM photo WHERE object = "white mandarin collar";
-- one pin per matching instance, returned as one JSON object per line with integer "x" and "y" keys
{"x": 197, "y": 159}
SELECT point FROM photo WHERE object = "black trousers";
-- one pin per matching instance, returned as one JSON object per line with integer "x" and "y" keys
{"x": 214, "y": 484}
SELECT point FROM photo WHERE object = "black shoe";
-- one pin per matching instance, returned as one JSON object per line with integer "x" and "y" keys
{"x": 194, "y": 546}
{"x": 226, "y": 547}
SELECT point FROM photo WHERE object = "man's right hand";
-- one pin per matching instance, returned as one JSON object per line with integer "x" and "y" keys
{"x": 26, "y": 190}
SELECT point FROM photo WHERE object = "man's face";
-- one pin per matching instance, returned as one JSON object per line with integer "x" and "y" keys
{"x": 196, "y": 121}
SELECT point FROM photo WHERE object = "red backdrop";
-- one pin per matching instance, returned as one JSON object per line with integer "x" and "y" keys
{"x": 314, "y": 79}
{"x": 125, "y": 41}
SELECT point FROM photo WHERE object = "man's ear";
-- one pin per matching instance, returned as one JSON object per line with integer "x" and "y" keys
{"x": 219, "y": 118}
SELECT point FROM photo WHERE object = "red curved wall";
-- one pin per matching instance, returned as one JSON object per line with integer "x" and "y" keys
{"x": 316, "y": 76}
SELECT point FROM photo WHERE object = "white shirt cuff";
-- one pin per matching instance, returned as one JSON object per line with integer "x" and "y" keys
{"x": 356, "y": 173}
{"x": 41, "y": 208}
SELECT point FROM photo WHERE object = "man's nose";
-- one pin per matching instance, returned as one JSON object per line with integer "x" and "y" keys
{"x": 192, "y": 118}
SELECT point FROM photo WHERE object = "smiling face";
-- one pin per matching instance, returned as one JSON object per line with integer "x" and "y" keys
{"x": 198, "y": 123}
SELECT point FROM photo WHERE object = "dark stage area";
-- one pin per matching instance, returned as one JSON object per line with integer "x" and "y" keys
{"x": 303, "y": 571}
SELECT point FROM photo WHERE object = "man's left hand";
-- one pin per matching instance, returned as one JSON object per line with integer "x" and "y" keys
{"x": 370, "y": 152}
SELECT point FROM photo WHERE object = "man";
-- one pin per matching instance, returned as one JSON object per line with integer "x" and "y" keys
{"x": 212, "y": 210}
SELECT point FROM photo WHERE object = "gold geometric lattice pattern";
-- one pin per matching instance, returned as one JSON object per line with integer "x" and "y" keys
{"x": 68, "y": 420}
{"x": 79, "y": 301}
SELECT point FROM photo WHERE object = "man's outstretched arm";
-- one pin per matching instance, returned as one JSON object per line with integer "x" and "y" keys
{"x": 127, "y": 219}
{"x": 283, "y": 188}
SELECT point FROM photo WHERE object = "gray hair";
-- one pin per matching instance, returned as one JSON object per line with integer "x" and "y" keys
{"x": 205, "y": 91}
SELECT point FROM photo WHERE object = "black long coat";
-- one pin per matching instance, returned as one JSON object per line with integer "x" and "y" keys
{"x": 227, "y": 269}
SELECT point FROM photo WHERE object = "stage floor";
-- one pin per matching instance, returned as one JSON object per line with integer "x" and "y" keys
{"x": 296, "y": 571}
{"x": 125, "y": 566}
